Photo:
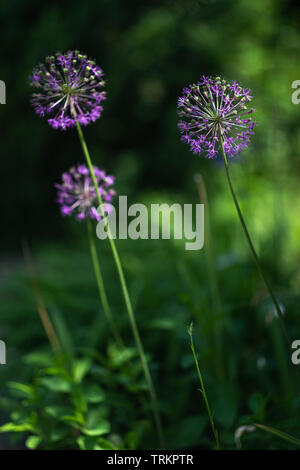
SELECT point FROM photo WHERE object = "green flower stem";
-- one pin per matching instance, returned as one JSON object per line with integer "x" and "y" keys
{"x": 127, "y": 300}
{"x": 252, "y": 249}
{"x": 101, "y": 288}
{"x": 202, "y": 390}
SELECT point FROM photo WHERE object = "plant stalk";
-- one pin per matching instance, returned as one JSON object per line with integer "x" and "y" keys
{"x": 202, "y": 390}
{"x": 127, "y": 300}
{"x": 101, "y": 288}
{"x": 252, "y": 249}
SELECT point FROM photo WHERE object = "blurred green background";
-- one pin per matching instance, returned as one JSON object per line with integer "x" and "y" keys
{"x": 149, "y": 51}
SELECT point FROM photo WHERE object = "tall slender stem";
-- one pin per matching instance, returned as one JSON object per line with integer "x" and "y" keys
{"x": 202, "y": 390}
{"x": 127, "y": 300}
{"x": 101, "y": 288}
{"x": 252, "y": 249}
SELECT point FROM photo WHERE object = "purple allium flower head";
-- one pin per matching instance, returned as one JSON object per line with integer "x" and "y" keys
{"x": 68, "y": 86}
{"x": 212, "y": 106}
{"x": 77, "y": 194}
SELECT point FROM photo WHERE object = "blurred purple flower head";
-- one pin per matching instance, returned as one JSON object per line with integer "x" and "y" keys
{"x": 68, "y": 86}
{"x": 212, "y": 106}
{"x": 77, "y": 194}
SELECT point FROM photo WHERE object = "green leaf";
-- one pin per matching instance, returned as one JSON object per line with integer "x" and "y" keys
{"x": 57, "y": 411}
{"x": 104, "y": 444}
{"x": 32, "y": 442}
{"x": 38, "y": 359}
{"x": 94, "y": 394}
{"x": 80, "y": 368}
{"x": 280, "y": 434}
{"x": 92, "y": 443}
{"x": 58, "y": 434}
{"x": 25, "y": 389}
{"x": 78, "y": 418}
{"x": 86, "y": 443}
{"x": 55, "y": 384}
{"x": 119, "y": 357}
{"x": 102, "y": 427}
{"x": 57, "y": 371}
{"x": 12, "y": 427}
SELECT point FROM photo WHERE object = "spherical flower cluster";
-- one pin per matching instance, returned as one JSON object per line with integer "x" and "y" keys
{"x": 77, "y": 194}
{"x": 213, "y": 108}
{"x": 69, "y": 88}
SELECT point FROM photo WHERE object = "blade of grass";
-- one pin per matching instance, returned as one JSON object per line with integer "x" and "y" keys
{"x": 43, "y": 314}
{"x": 280, "y": 434}
{"x": 202, "y": 390}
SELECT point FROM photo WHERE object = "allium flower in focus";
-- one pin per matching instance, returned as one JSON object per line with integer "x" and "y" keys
{"x": 68, "y": 85}
{"x": 212, "y": 106}
{"x": 77, "y": 194}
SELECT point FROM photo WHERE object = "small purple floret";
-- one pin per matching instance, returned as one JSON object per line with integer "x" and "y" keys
{"x": 77, "y": 195}
{"x": 69, "y": 88}
{"x": 214, "y": 106}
